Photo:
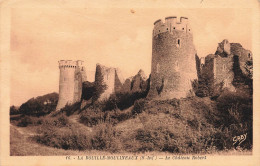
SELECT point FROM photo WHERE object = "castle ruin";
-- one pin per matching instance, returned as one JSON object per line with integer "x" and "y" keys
{"x": 227, "y": 65}
{"x": 72, "y": 74}
{"x": 175, "y": 65}
{"x": 173, "y": 59}
{"x": 109, "y": 79}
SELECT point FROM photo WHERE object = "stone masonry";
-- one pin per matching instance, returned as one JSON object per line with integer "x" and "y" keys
{"x": 173, "y": 59}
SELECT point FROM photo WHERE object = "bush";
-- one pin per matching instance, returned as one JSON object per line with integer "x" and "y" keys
{"x": 71, "y": 138}
{"x": 25, "y": 121}
{"x": 126, "y": 100}
{"x": 92, "y": 117}
{"x": 70, "y": 109}
{"x": 236, "y": 111}
{"x": 105, "y": 138}
{"x": 139, "y": 106}
{"x": 119, "y": 101}
{"x": 58, "y": 121}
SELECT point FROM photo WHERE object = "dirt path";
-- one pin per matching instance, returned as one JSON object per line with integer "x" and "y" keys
{"x": 75, "y": 119}
{"x": 24, "y": 131}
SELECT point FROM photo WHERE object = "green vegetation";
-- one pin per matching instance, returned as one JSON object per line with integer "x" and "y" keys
{"x": 40, "y": 106}
{"x": 130, "y": 123}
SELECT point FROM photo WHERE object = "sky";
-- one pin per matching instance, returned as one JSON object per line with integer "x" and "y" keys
{"x": 114, "y": 37}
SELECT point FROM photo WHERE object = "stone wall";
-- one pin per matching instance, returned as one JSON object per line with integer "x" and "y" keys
{"x": 72, "y": 74}
{"x": 223, "y": 60}
{"x": 173, "y": 60}
{"x": 119, "y": 80}
{"x": 105, "y": 76}
{"x": 137, "y": 83}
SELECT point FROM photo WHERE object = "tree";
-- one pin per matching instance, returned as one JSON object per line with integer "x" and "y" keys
{"x": 14, "y": 110}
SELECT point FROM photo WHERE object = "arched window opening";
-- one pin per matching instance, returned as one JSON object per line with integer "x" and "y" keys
{"x": 182, "y": 28}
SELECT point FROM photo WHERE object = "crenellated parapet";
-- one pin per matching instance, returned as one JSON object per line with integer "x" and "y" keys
{"x": 171, "y": 24}
{"x": 70, "y": 63}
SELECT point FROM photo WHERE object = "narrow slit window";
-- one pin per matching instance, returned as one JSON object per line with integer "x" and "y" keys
{"x": 178, "y": 42}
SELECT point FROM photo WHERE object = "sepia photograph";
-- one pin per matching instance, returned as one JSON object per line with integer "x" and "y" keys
{"x": 130, "y": 83}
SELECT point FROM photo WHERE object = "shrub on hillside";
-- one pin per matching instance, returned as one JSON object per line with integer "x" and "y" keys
{"x": 236, "y": 111}
{"x": 105, "y": 138}
{"x": 71, "y": 138}
{"x": 119, "y": 101}
{"x": 92, "y": 117}
{"x": 116, "y": 116}
{"x": 240, "y": 102}
{"x": 58, "y": 121}
{"x": 125, "y": 100}
{"x": 70, "y": 109}
{"x": 139, "y": 106}
{"x": 25, "y": 121}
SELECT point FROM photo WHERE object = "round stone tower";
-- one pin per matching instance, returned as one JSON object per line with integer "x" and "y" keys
{"x": 72, "y": 74}
{"x": 173, "y": 59}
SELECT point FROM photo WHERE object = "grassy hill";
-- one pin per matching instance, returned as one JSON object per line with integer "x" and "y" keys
{"x": 183, "y": 126}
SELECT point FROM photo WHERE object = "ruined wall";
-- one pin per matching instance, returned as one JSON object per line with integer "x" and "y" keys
{"x": 72, "y": 73}
{"x": 105, "y": 76}
{"x": 243, "y": 55}
{"x": 173, "y": 59}
{"x": 223, "y": 71}
{"x": 119, "y": 80}
{"x": 223, "y": 48}
{"x": 127, "y": 85}
{"x": 223, "y": 62}
{"x": 137, "y": 83}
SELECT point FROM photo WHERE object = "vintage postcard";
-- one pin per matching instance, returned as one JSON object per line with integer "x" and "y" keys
{"x": 129, "y": 83}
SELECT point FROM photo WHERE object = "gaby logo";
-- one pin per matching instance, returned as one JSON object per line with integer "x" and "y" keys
{"x": 239, "y": 139}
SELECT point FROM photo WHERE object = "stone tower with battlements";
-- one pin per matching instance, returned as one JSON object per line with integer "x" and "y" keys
{"x": 72, "y": 74}
{"x": 173, "y": 59}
